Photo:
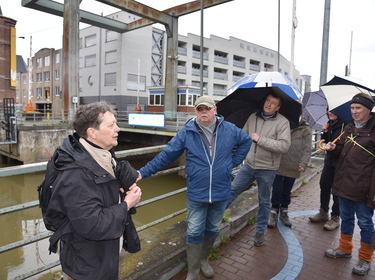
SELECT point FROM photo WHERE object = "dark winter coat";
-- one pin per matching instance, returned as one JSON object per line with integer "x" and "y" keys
{"x": 89, "y": 196}
{"x": 334, "y": 130}
{"x": 354, "y": 175}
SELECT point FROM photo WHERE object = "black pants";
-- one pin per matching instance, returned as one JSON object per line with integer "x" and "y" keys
{"x": 326, "y": 181}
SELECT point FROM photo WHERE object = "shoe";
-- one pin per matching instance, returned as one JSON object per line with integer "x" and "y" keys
{"x": 361, "y": 268}
{"x": 322, "y": 216}
{"x": 272, "y": 219}
{"x": 285, "y": 218}
{"x": 332, "y": 224}
{"x": 259, "y": 239}
{"x": 336, "y": 253}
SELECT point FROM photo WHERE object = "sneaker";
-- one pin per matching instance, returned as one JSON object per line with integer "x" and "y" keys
{"x": 322, "y": 216}
{"x": 361, "y": 268}
{"x": 259, "y": 239}
{"x": 332, "y": 224}
{"x": 285, "y": 218}
{"x": 272, "y": 219}
{"x": 336, "y": 253}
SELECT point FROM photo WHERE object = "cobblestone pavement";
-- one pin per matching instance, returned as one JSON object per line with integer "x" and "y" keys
{"x": 296, "y": 253}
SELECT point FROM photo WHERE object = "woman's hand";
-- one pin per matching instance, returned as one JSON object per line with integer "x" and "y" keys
{"x": 133, "y": 196}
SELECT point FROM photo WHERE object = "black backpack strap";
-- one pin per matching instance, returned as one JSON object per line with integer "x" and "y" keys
{"x": 57, "y": 235}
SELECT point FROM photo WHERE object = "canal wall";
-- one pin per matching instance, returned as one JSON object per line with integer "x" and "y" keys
{"x": 36, "y": 143}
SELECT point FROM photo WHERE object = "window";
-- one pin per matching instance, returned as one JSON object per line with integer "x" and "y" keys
{"x": 156, "y": 99}
{"x": 47, "y": 76}
{"x": 110, "y": 79}
{"x": 90, "y": 41}
{"x": 57, "y": 74}
{"x": 184, "y": 99}
{"x": 110, "y": 57}
{"x": 47, "y": 93}
{"x": 90, "y": 60}
{"x": 38, "y": 77}
{"x": 47, "y": 60}
{"x": 57, "y": 91}
{"x": 24, "y": 79}
{"x": 110, "y": 36}
{"x": 39, "y": 62}
{"x": 57, "y": 58}
{"x": 39, "y": 93}
{"x": 133, "y": 82}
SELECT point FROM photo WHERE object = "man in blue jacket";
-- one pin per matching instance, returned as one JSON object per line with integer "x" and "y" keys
{"x": 213, "y": 148}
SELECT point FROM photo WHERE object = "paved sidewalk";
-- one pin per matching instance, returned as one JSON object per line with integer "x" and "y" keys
{"x": 296, "y": 253}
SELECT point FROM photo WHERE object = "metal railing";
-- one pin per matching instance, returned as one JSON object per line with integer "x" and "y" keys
{"x": 40, "y": 167}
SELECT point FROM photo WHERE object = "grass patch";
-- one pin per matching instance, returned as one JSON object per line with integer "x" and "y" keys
{"x": 252, "y": 220}
{"x": 226, "y": 217}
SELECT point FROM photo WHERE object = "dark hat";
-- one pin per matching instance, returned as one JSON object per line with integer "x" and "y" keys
{"x": 363, "y": 100}
{"x": 205, "y": 100}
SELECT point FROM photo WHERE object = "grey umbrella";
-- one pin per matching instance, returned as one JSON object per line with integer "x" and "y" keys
{"x": 314, "y": 109}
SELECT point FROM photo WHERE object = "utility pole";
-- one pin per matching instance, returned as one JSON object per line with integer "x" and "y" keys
{"x": 325, "y": 43}
{"x": 70, "y": 55}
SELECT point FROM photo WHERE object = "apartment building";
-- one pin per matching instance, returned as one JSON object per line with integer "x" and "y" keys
{"x": 129, "y": 69}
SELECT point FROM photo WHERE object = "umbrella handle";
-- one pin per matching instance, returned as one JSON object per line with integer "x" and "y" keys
{"x": 334, "y": 141}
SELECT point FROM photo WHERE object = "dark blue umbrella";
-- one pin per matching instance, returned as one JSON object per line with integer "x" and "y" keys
{"x": 239, "y": 105}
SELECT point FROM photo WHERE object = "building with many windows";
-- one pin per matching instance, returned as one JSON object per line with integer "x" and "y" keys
{"x": 129, "y": 69}
{"x": 43, "y": 88}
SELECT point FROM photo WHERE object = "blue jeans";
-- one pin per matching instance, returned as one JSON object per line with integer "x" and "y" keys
{"x": 282, "y": 186}
{"x": 348, "y": 209}
{"x": 204, "y": 219}
{"x": 244, "y": 178}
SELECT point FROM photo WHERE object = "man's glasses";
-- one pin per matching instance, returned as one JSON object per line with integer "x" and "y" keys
{"x": 201, "y": 108}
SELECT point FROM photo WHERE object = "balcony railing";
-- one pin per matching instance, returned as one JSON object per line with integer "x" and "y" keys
{"x": 238, "y": 63}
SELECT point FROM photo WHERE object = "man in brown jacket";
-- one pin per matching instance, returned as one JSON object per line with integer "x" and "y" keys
{"x": 354, "y": 184}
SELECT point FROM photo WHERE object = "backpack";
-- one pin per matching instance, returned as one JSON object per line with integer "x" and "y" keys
{"x": 44, "y": 193}
{"x": 45, "y": 189}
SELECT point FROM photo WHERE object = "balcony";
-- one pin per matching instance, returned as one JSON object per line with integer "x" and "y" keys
{"x": 220, "y": 92}
{"x": 255, "y": 67}
{"x": 197, "y": 72}
{"x": 182, "y": 51}
{"x": 220, "y": 76}
{"x": 197, "y": 54}
{"x": 221, "y": 59}
{"x": 181, "y": 69}
{"x": 238, "y": 63}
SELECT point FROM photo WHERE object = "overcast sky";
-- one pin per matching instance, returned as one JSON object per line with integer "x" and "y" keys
{"x": 251, "y": 20}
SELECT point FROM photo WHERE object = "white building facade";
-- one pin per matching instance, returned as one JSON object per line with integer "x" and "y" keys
{"x": 129, "y": 69}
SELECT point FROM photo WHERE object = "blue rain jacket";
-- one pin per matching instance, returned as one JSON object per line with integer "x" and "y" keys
{"x": 208, "y": 178}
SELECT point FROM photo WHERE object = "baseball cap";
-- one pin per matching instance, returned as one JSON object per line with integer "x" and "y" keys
{"x": 204, "y": 100}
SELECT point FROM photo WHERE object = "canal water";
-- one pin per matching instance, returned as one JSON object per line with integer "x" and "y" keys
{"x": 27, "y": 223}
